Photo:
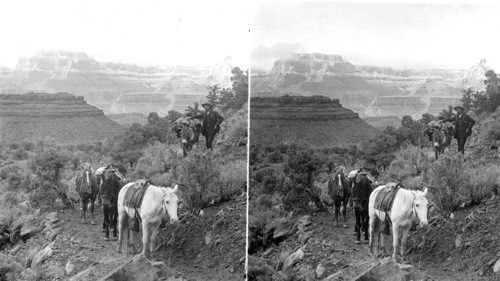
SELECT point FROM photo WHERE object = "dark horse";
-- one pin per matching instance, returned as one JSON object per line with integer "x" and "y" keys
{"x": 361, "y": 190}
{"x": 87, "y": 188}
{"x": 340, "y": 191}
{"x": 110, "y": 187}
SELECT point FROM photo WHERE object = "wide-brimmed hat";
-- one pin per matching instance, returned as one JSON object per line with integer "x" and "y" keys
{"x": 209, "y": 104}
{"x": 459, "y": 106}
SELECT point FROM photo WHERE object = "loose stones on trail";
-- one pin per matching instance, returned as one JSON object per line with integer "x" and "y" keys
{"x": 387, "y": 269}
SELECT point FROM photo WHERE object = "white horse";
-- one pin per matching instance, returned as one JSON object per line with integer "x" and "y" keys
{"x": 407, "y": 205}
{"x": 157, "y": 202}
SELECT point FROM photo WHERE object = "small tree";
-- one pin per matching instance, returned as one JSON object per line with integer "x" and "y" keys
{"x": 48, "y": 165}
{"x": 213, "y": 94}
{"x": 467, "y": 99}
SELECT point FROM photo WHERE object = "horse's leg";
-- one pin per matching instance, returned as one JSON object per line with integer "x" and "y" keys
{"x": 92, "y": 201}
{"x": 405, "y": 231}
{"x": 344, "y": 211}
{"x": 106, "y": 220}
{"x": 155, "y": 229}
{"x": 395, "y": 232}
{"x": 121, "y": 234}
{"x": 145, "y": 233}
{"x": 337, "y": 207}
{"x": 84, "y": 208}
{"x": 358, "y": 223}
{"x": 373, "y": 232}
{"x": 114, "y": 220}
{"x": 364, "y": 222}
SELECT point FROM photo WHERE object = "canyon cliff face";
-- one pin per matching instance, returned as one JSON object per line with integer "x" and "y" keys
{"x": 317, "y": 120}
{"x": 102, "y": 84}
{"x": 370, "y": 91}
{"x": 62, "y": 118}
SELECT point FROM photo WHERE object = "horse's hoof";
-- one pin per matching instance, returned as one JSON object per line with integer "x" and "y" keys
{"x": 103, "y": 230}
{"x": 92, "y": 222}
{"x": 344, "y": 225}
{"x": 358, "y": 242}
{"x": 107, "y": 239}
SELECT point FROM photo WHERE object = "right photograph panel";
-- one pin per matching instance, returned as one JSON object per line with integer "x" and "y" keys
{"x": 374, "y": 142}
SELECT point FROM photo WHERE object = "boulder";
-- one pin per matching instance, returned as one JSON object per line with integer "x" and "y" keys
{"x": 388, "y": 270}
{"x": 320, "y": 270}
{"x": 334, "y": 277}
{"x": 293, "y": 259}
{"x": 282, "y": 232}
{"x": 496, "y": 267}
{"x": 42, "y": 255}
{"x": 52, "y": 217}
{"x": 138, "y": 268}
{"x": 82, "y": 275}
{"x": 69, "y": 268}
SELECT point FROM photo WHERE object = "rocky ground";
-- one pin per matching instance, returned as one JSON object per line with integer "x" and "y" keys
{"x": 465, "y": 248}
{"x": 58, "y": 246}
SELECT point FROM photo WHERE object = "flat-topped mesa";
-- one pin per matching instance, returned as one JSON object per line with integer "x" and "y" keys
{"x": 288, "y": 108}
{"x": 46, "y": 105}
{"x": 313, "y": 63}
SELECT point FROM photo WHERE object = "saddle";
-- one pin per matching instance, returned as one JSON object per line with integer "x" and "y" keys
{"x": 385, "y": 198}
{"x": 135, "y": 194}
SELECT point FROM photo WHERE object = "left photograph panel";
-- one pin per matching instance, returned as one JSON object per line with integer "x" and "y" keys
{"x": 123, "y": 140}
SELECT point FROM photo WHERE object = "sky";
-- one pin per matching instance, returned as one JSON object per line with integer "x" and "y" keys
{"x": 146, "y": 32}
{"x": 405, "y": 35}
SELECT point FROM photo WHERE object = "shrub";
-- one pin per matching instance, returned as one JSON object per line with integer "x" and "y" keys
{"x": 269, "y": 183}
{"x": 10, "y": 269}
{"x": 446, "y": 176}
{"x": 275, "y": 157}
{"x": 199, "y": 174}
{"x": 282, "y": 147}
{"x": 148, "y": 166}
{"x": 28, "y": 145}
{"x": 7, "y": 170}
{"x": 10, "y": 199}
{"x": 233, "y": 179}
{"x": 13, "y": 146}
{"x": 20, "y": 154}
{"x": 260, "y": 174}
{"x": 164, "y": 180}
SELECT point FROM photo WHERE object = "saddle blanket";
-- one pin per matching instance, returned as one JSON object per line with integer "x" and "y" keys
{"x": 135, "y": 194}
{"x": 385, "y": 198}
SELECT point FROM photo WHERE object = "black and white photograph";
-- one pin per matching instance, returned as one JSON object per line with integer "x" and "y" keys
{"x": 123, "y": 140}
{"x": 374, "y": 135}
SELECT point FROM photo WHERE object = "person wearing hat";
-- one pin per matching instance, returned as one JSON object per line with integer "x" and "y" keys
{"x": 463, "y": 126}
{"x": 211, "y": 124}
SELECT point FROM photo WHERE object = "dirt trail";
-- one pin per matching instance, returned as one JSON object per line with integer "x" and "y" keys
{"x": 335, "y": 249}
{"x": 85, "y": 247}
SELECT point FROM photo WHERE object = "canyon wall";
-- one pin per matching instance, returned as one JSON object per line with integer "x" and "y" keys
{"x": 317, "y": 120}
{"x": 61, "y": 118}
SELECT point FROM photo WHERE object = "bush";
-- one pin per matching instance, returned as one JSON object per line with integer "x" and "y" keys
{"x": 10, "y": 199}
{"x": 260, "y": 174}
{"x": 20, "y": 154}
{"x": 233, "y": 180}
{"x": 148, "y": 166}
{"x": 28, "y": 145}
{"x": 164, "y": 180}
{"x": 13, "y": 146}
{"x": 7, "y": 170}
{"x": 200, "y": 176}
{"x": 446, "y": 176}
{"x": 10, "y": 269}
{"x": 275, "y": 157}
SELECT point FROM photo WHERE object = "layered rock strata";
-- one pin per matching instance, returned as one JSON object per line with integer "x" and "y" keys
{"x": 317, "y": 120}
{"x": 61, "y": 118}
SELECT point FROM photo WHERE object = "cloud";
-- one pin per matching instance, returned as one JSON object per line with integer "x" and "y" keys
{"x": 263, "y": 57}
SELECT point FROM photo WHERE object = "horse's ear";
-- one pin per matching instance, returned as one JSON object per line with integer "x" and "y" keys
{"x": 176, "y": 188}
{"x": 425, "y": 192}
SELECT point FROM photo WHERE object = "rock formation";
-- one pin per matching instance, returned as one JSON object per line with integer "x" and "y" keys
{"x": 61, "y": 117}
{"x": 317, "y": 120}
{"x": 101, "y": 83}
{"x": 370, "y": 91}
